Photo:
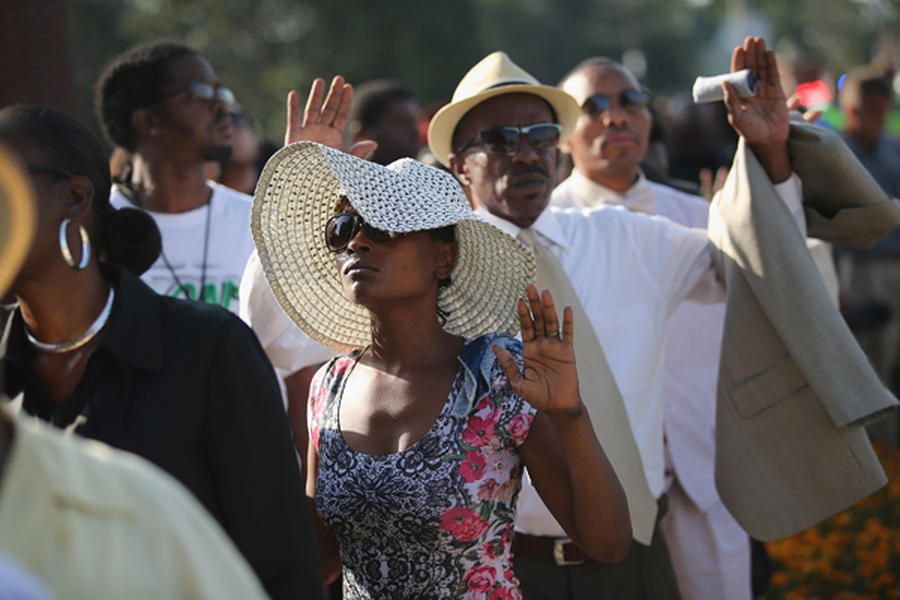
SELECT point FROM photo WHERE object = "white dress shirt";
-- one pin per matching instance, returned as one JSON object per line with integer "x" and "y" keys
{"x": 630, "y": 272}
{"x": 693, "y": 338}
{"x": 288, "y": 348}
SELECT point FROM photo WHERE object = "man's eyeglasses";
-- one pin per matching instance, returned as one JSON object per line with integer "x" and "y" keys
{"x": 207, "y": 92}
{"x": 631, "y": 100}
{"x": 35, "y": 169}
{"x": 342, "y": 228}
{"x": 505, "y": 139}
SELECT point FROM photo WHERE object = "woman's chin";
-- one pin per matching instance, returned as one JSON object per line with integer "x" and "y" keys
{"x": 359, "y": 292}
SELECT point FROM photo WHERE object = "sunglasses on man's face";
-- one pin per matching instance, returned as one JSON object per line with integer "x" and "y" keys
{"x": 505, "y": 139}
{"x": 631, "y": 100}
{"x": 341, "y": 229}
{"x": 207, "y": 92}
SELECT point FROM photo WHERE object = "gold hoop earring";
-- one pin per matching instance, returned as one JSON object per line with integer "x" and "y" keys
{"x": 67, "y": 252}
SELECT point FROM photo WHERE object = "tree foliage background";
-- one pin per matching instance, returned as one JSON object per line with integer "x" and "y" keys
{"x": 262, "y": 48}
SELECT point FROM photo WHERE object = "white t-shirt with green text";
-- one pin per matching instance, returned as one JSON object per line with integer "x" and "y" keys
{"x": 183, "y": 235}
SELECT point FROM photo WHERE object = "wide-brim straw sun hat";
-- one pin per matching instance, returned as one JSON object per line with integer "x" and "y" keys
{"x": 494, "y": 75}
{"x": 298, "y": 192}
{"x": 17, "y": 218}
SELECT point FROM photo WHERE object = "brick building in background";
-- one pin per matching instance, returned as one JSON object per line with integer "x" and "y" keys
{"x": 35, "y": 60}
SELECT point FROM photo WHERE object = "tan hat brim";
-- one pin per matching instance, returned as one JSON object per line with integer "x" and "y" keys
{"x": 17, "y": 218}
{"x": 444, "y": 122}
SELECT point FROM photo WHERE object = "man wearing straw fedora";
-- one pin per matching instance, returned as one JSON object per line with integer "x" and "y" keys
{"x": 780, "y": 407}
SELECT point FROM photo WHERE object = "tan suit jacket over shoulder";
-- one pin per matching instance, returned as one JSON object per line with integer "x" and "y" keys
{"x": 93, "y": 522}
{"x": 794, "y": 387}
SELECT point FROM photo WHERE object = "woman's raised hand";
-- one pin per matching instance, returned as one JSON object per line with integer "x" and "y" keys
{"x": 323, "y": 121}
{"x": 549, "y": 381}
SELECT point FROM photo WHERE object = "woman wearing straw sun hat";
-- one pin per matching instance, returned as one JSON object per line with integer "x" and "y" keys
{"x": 419, "y": 437}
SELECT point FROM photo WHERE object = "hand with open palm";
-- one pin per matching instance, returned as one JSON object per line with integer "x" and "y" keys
{"x": 549, "y": 381}
{"x": 763, "y": 119}
{"x": 324, "y": 121}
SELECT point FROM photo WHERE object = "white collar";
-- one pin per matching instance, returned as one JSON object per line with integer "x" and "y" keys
{"x": 639, "y": 197}
{"x": 546, "y": 225}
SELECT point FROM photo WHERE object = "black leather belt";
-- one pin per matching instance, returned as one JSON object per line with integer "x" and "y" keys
{"x": 562, "y": 551}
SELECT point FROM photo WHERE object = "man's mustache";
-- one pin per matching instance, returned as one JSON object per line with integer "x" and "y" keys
{"x": 620, "y": 129}
{"x": 536, "y": 169}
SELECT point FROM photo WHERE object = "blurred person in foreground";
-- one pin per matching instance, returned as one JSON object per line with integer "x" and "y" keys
{"x": 623, "y": 273}
{"x": 870, "y": 278}
{"x": 93, "y": 350}
{"x": 164, "y": 104}
{"x": 710, "y": 551}
{"x": 80, "y": 520}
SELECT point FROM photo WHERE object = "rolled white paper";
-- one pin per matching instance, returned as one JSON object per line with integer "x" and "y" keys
{"x": 709, "y": 89}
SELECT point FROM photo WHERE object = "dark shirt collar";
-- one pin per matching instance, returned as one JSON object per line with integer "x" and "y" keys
{"x": 133, "y": 334}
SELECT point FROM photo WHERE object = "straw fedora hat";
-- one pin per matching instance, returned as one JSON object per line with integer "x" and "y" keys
{"x": 494, "y": 75}
{"x": 17, "y": 218}
{"x": 298, "y": 193}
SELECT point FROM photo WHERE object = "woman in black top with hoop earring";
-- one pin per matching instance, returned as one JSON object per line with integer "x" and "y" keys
{"x": 93, "y": 350}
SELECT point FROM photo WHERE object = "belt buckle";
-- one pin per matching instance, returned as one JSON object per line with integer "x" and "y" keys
{"x": 559, "y": 555}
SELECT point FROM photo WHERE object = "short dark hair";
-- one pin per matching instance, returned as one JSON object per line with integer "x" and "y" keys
{"x": 373, "y": 99}
{"x": 862, "y": 82}
{"x": 594, "y": 62}
{"x": 127, "y": 237}
{"x": 134, "y": 80}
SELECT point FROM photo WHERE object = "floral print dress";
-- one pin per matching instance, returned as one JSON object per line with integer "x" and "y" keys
{"x": 436, "y": 520}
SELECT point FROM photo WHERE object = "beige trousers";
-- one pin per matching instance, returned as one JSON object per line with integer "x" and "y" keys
{"x": 710, "y": 552}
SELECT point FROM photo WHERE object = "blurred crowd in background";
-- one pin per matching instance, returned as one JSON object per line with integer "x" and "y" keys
{"x": 838, "y": 57}
{"x": 840, "y": 60}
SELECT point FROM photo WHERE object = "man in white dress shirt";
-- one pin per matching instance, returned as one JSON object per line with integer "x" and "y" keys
{"x": 709, "y": 550}
{"x": 629, "y": 272}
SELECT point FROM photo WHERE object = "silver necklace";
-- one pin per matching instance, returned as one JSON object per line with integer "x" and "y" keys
{"x": 81, "y": 340}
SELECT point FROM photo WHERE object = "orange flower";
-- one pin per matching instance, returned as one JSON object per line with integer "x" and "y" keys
{"x": 853, "y": 556}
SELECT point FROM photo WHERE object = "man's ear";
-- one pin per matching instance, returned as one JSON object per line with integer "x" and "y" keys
{"x": 145, "y": 123}
{"x": 459, "y": 170}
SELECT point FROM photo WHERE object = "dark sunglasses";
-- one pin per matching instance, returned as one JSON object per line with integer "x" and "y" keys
{"x": 35, "y": 169}
{"x": 631, "y": 100}
{"x": 505, "y": 139}
{"x": 342, "y": 228}
{"x": 207, "y": 92}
